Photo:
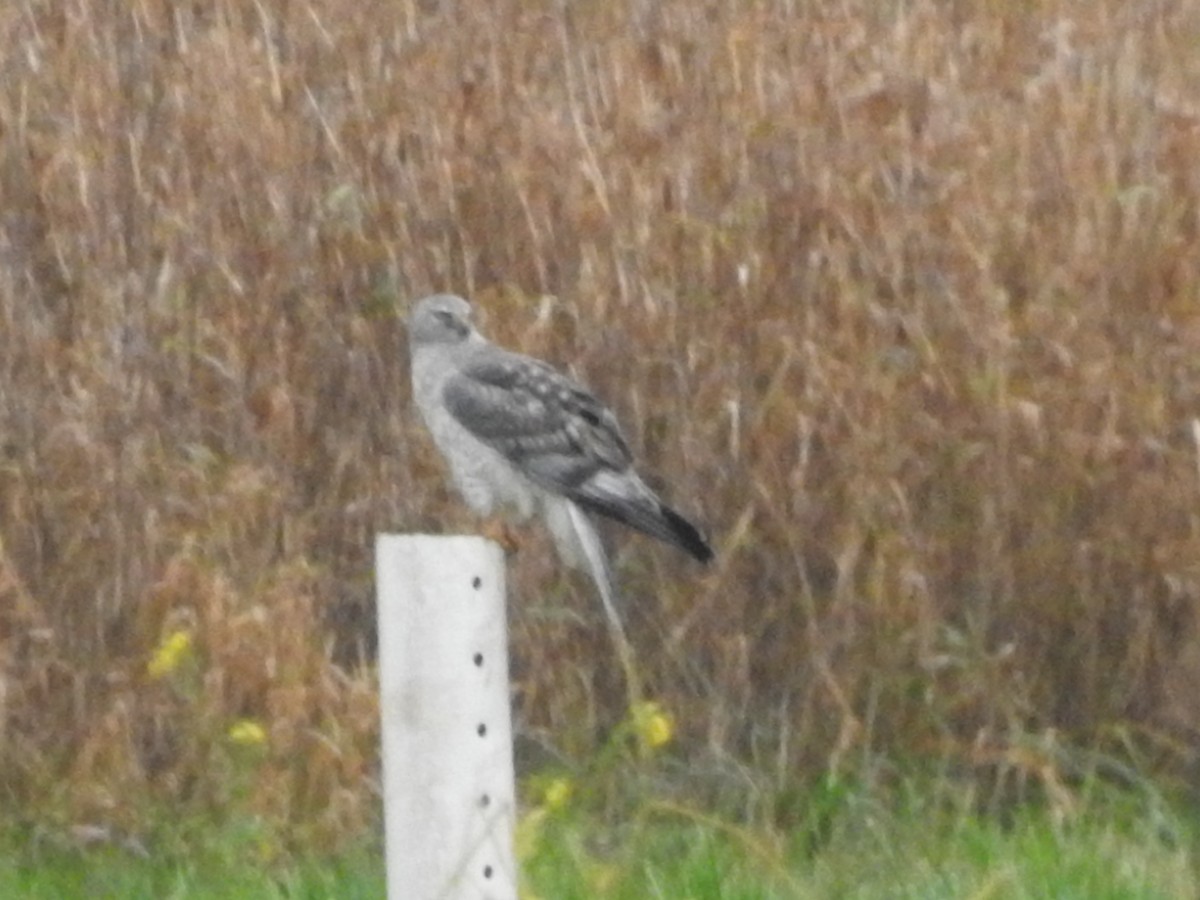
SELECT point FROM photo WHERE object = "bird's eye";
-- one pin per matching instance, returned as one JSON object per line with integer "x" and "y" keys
{"x": 445, "y": 316}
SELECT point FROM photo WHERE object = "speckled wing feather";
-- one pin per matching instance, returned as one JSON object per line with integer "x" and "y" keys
{"x": 562, "y": 439}
{"x": 552, "y": 429}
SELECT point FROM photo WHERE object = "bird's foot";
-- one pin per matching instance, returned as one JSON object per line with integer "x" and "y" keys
{"x": 503, "y": 534}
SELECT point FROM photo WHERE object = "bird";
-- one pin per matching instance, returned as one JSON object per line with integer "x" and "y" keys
{"x": 524, "y": 440}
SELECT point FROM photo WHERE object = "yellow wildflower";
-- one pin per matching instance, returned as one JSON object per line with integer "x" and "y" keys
{"x": 247, "y": 733}
{"x": 528, "y": 837}
{"x": 557, "y": 793}
{"x": 653, "y": 725}
{"x": 174, "y": 648}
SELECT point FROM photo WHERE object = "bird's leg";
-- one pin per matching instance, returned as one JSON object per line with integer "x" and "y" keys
{"x": 498, "y": 530}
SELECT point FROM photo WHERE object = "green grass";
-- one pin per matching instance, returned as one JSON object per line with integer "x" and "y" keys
{"x": 193, "y": 857}
{"x": 113, "y": 875}
{"x": 1033, "y": 857}
{"x": 1112, "y": 846}
{"x": 114, "y": 872}
{"x": 874, "y": 853}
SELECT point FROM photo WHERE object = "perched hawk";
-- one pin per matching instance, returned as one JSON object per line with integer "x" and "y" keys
{"x": 523, "y": 439}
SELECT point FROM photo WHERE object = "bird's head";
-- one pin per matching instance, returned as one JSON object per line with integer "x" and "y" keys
{"x": 440, "y": 319}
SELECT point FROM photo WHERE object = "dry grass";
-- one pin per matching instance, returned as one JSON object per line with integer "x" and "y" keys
{"x": 899, "y": 299}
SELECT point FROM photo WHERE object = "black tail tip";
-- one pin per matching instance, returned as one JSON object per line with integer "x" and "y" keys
{"x": 702, "y": 552}
{"x": 688, "y": 537}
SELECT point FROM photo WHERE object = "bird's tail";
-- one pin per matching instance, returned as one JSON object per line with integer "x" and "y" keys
{"x": 595, "y": 560}
{"x": 626, "y": 498}
{"x": 580, "y": 547}
{"x": 589, "y": 553}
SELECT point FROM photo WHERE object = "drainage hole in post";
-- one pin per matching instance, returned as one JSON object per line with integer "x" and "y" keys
{"x": 478, "y": 659}
{"x": 481, "y": 730}
{"x": 487, "y": 871}
{"x": 485, "y": 800}
{"x": 477, "y": 582}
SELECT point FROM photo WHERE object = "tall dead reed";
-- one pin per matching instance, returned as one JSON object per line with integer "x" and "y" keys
{"x": 899, "y": 299}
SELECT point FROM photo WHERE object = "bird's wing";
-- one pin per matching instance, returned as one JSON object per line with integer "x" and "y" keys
{"x": 557, "y": 434}
{"x": 549, "y": 427}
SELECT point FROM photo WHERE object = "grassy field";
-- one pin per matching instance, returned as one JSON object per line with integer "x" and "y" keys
{"x": 1109, "y": 846}
{"x": 897, "y": 299}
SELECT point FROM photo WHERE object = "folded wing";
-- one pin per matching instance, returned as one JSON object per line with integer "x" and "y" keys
{"x": 562, "y": 439}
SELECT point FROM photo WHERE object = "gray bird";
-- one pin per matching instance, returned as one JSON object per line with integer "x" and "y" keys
{"x": 522, "y": 439}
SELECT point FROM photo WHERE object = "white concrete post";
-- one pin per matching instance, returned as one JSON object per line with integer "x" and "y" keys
{"x": 448, "y": 791}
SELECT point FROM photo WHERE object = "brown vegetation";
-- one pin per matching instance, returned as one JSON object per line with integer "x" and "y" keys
{"x": 899, "y": 299}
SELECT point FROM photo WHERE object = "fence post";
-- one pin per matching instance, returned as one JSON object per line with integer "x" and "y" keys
{"x": 448, "y": 789}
